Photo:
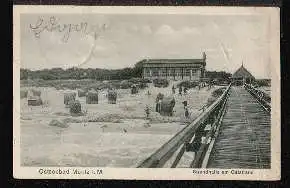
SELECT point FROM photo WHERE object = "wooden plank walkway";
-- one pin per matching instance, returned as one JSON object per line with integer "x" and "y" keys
{"x": 244, "y": 137}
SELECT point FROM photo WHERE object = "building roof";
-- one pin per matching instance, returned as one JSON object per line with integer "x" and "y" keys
{"x": 242, "y": 72}
{"x": 165, "y": 61}
{"x": 174, "y": 62}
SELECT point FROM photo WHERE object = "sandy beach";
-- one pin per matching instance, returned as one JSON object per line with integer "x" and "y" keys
{"x": 109, "y": 135}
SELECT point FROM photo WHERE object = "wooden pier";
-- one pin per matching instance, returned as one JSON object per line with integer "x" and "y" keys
{"x": 244, "y": 136}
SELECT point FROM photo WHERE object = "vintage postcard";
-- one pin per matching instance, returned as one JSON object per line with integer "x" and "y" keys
{"x": 153, "y": 93}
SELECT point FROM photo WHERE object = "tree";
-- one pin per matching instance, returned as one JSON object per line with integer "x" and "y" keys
{"x": 24, "y": 74}
{"x": 138, "y": 68}
{"x": 221, "y": 75}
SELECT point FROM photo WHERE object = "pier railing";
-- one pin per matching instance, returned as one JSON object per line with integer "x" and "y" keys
{"x": 211, "y": 115}
{"x": 263, "y": 98}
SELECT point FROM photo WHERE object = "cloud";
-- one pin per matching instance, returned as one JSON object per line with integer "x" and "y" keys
{"x": 184, "y": 40}
{"x": 183, "y": 32}
{"x": 134, "y": 28}
{"x": 146, "y": 29}
{"x": 189, "y": 31}
{"x": 165, "y": 30}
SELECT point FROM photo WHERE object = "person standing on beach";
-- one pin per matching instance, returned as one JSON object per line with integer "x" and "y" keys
{"x": 180, "y": 90}
{"x": 185, "y": 90}
{"x": 184, "y": 104}
{"x": 148, "y": 92}
{"x": 186, "y": 113}
{"x": 173, "y": 89}
{"x": 147, "y": 111}
{"x": 159, "y": 105}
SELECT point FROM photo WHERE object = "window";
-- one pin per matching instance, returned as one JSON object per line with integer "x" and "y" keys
{"x": 178, "y": 72}
{"x": 198, "y": 72}
{"x": 147, "y": 73}
{"x": 163, "y": 72}
{"x": 187, "y": 72}
{"x": 169, "y": 72}
{"x": 173, "y": 72}
{"x": 155, "y": 72}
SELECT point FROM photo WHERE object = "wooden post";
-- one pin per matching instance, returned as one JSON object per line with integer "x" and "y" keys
{"x": 174, "y": 74}
{"x": 190, "y": 74}
{"x": 181, "y": 73}
{"x": 144, "y": 73}
{"x": 179, "y": 155}
{"x": 166, "y": 72}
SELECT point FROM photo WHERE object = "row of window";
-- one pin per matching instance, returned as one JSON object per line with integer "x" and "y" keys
{"x": 170, "y": 72}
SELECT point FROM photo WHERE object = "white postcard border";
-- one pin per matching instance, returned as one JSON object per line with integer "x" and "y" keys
{"x": 20, "y": 172}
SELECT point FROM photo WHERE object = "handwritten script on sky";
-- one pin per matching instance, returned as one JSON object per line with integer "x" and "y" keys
{"x": 53, "y": 25}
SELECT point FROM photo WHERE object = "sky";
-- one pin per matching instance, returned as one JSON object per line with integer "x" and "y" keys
{"x": 116, "y": 41}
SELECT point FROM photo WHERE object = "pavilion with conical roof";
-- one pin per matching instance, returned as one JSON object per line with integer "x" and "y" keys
{"x": 241, "y": 76}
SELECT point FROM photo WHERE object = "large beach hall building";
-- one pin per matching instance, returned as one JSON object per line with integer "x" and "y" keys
{"x": 174, "y": 69}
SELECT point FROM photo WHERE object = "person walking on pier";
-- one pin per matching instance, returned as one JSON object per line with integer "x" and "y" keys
{"x": 207, "y": 128}
{"x": 204, "y": 140}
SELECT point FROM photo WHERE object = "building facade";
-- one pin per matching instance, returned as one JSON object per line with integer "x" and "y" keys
{"x": 174, "y": 69}
{"x": 241, "y": 76}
